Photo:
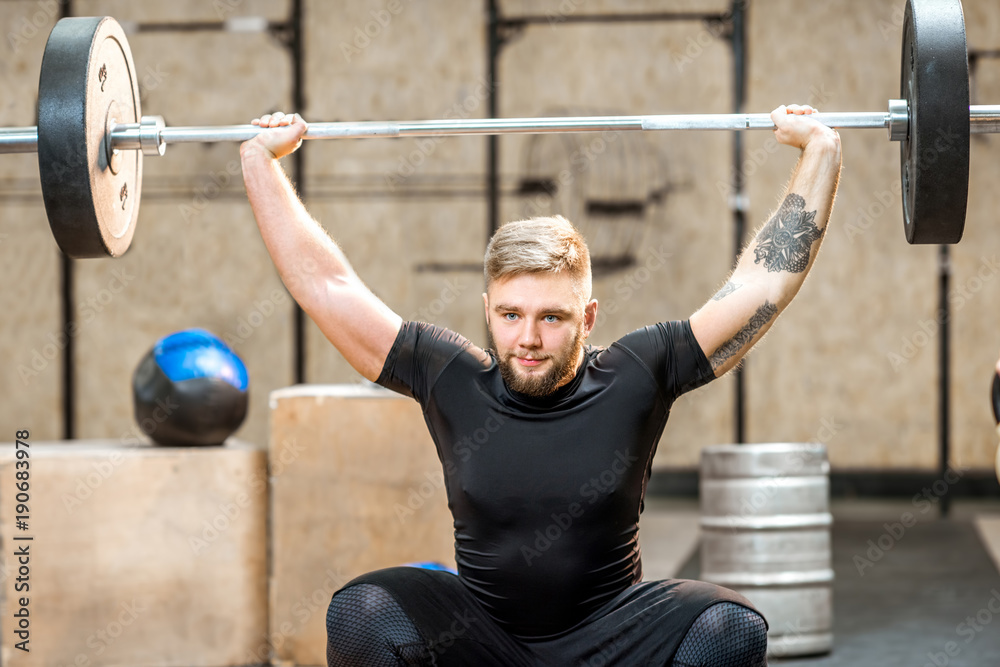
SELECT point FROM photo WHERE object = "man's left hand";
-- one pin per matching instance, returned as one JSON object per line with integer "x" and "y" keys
{"x": 794, "y": 127}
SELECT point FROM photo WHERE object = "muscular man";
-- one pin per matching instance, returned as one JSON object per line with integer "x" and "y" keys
{"x": 546, "y": 443}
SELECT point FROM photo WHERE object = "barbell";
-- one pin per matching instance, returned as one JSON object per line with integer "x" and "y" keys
{"x": 91, "y": 136}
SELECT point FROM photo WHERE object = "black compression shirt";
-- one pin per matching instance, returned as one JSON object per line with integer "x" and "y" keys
{"x": 546, "y": 493}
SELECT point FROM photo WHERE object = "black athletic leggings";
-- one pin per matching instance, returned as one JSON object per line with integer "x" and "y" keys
{"x": 366, "y": 627}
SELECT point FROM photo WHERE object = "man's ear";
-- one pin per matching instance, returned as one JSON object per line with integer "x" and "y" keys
{"x": 486, "y": 307}
{"x": 589, "y": 317}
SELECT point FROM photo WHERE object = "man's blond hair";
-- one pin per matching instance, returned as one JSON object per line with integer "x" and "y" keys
{"x": 539, "y": 245}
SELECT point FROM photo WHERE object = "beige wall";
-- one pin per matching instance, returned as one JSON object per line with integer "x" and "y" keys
{"x": 826, "y": 371}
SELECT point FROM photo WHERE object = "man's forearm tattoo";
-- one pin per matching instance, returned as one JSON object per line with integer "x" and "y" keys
{"x": 785, "y": 242}
{"x": 731, "y": 348}
{"x": 726, "y": 290}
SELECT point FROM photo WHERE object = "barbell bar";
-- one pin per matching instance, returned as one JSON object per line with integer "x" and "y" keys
{"x": 91, "y": 138}
{"x": 151, "y": 136}
{"x": 983, "y": 119}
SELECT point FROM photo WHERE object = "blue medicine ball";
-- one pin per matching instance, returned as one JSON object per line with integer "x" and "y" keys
{"x": 190, "y": 389}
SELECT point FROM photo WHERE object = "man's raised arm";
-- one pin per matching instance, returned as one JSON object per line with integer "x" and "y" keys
{"x": 358, "y": 324}
{"x": 772, "y": 268}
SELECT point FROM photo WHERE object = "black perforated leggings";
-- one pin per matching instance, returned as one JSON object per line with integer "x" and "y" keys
{"x": 724, "y": 635}
{"x": 366, "y": 627}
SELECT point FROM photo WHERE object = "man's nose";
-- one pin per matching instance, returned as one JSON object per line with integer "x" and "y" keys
{"x": 529, "y": 335}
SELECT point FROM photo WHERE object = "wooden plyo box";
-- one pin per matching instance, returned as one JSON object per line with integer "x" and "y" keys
{"x": 138, "y": 555}
{"x": 356, "y": 486}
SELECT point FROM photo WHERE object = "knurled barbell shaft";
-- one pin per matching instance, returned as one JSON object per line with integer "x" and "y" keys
{"x": 983, "y": 119}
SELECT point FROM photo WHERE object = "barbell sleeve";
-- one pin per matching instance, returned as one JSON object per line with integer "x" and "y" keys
{"x": 18, "y": 140}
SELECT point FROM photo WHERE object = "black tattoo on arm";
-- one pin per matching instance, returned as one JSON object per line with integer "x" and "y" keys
{"x": 731, "y": 348}
{"x": 726, "y": 290}
{"x": 785, "y": 242}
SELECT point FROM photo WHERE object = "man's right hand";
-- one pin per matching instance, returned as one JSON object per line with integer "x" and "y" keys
{"x": 284, "y": 135}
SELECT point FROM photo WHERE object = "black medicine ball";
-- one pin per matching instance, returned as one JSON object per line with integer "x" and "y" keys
{"x": 190, "y": 389}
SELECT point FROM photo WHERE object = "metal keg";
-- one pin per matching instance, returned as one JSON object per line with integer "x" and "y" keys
{"x": 765, "y": 533}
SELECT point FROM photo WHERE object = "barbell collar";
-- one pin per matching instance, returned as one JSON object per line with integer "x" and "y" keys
{"x": 899, "y": 119}
{"x": 151, "y": 135}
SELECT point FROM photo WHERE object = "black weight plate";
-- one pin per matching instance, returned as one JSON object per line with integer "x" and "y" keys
{"x": 934, "y": 156}
{"x": 87, "y": 80}
{"x": 996, "y": 413}
{"x": 996, "y": 397}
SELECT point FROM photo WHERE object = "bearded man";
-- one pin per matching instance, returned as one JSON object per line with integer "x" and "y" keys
{"x": 546, "y": 443}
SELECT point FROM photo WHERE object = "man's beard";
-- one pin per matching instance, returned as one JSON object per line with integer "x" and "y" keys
{"x": 538, "y": 385}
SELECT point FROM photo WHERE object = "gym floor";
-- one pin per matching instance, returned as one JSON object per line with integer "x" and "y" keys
{"x": 929, "y": 599}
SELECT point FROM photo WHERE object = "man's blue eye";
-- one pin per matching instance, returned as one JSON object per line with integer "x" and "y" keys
{"x": 551, "y": 319}
{"x": 510, "y": 316}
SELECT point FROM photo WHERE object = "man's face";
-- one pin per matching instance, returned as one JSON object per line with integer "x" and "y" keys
{"x": 537, "y": 324}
